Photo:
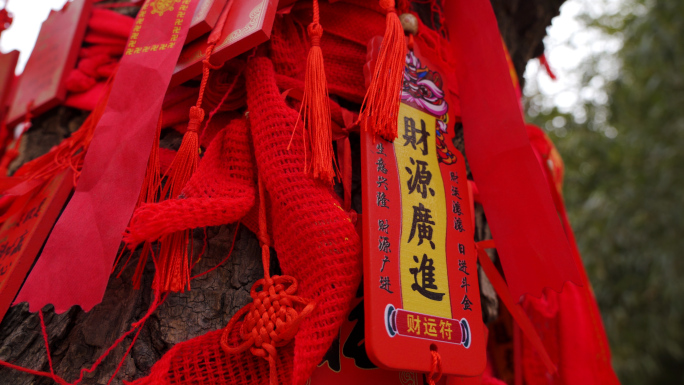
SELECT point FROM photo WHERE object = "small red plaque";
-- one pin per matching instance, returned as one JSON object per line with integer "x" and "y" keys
{"x": 8, "y": 62}
{"x": 420, "y": 262}
{"x": 205, "y": 18}
{"x": 22, "y": 234}
{"x": 248, "y": 24}
{"x": 54, "y": 55}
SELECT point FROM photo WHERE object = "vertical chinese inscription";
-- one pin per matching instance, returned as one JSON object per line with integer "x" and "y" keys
{"x": 422, "y": 252}
{"x": 382, "y": 185}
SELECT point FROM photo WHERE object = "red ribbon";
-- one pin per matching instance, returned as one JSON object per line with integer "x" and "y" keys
{"x": 533, "y": 248}
{"x": 77, "y": 259}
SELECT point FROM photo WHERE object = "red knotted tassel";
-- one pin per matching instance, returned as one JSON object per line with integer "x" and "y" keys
{"x": 380, "y": 107}
{"x": 173, "y": 265}
{"x": 315, "y": 107}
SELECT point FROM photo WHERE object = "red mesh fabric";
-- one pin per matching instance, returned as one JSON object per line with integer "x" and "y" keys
{"x": 201, "y": 361}
{"x": 347, "y": 29}
{"x": 313, "y": 236}
{"x": 221, "y": 191}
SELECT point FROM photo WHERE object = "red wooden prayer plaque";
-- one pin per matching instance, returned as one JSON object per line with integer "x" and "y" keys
{"x": 205, "y": 18}
{"x": 54, "y": 55}
{"x": 22, "y": 234}
{"x": 8, "y": 62}
{"x": 248, "y": 24}
{"x": 420, "y": 262}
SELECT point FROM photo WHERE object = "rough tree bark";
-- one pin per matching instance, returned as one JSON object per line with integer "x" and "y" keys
{"x": 78, "y": 338}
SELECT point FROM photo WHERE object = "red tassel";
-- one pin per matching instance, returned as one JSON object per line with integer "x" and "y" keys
{"x": 380, "y": 107}
{"x": 315, "y": 108}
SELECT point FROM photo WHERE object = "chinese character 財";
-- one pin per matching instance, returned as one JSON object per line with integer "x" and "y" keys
{"x": 410, "y": 133}
{"x": 422, "y": 221}
{"x": 381, "y": 166}
{"x": 466, "y": 303}
{"x": 383, "y": 225}
{"x": 458, "y": 225}
{"x": 420, "y": 179}
{"x": 427, "y": 271}
{"x": 413, "y": 322}
{"x": 430, "y": 327}
{"x": 453, "y": 176}
{"x": 462, "y": 266}
{"x": 385, "y": 284}
{"x": 382, "y": 199}
{"x": 384, "y": 245}
{"x": 382, "y": 182}
{"x": 465, "y": 284}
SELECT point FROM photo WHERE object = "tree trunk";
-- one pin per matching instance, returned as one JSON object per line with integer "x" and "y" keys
{"x": 77, "y": 338}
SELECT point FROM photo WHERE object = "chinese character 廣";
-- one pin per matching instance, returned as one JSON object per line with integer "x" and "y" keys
{"x": 422, "y": 221}
{"x": 427, "y": 271}
{"x": 384, "y": 261}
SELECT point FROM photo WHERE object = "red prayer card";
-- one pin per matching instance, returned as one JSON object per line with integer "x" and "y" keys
{"x": 23, "y": 233}
{"x": 205, "y": 18}
{"x": 420, "y": 262}
{"x": 54, "y": 55}
{"x": 248, "y": 24}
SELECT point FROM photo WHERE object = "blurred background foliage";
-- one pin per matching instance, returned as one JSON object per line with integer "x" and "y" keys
{"x": 623, "y": 147}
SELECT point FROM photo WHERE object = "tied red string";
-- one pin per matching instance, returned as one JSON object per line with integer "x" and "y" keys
{"x": 271, "y": 320}
{"x": 436, "y": 367}
{"x": 315, "y": 108}
{"x": 380, "y": 106}
{"x": 173, "y": 270}
{"x": 13, "y": 151}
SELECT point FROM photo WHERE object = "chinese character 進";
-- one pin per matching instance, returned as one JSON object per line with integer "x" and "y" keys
{"x": 384, "y": 244}
{"x": 382, "y": 182}
{"x": 456, "y": 208}
{"x": 382, "y": 199}
{"x": 465, "y": 284}
{"x": 430, "y": 327}
{"x": 385, "y": 284}
{"x": 462, "y": 266}
{"x": 466, "y": 303}
{"x": 384, "y": 261}
{"x": 381, "y": 149}
{"x": 383, "y": 225}
{"x": 420, "y": 179}
{"x": 381, "y": 166}
{"x": 410, "y": 133}
{"x": 453, "y": 176}
{"x": 455, "y": 193}
{"x": 445, "y": 329}
{"x": 427, "y": 271}
{"x": 422, "y": 220}
{"x": 461, "y": 248}
{"x": 458, "y": 225}
{"x": 413, "y": 322}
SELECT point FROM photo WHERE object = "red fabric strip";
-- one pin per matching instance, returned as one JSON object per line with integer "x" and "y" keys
{"x": 77, "y": 259}
{"x": 516, "y": 311}
{"x": 532, "y": 245}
